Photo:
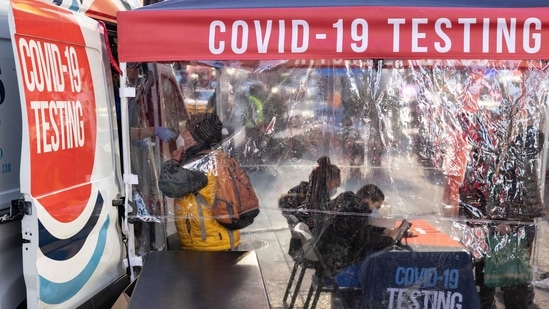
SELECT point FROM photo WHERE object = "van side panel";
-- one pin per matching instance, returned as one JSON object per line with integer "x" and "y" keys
{"x": 73, "y": 246}
{"x": 12, "y": 285}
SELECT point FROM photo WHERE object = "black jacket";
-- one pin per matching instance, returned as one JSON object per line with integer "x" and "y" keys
{"x": 344, "y": 234}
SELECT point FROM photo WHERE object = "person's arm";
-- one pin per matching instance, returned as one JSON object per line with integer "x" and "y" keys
{"x": 163, "y": 133}
{"x": 172, "y": 165}
{"x": 140, "y": 133}
{"x": 375, "y": 238}
{"x": 176, "y": 181}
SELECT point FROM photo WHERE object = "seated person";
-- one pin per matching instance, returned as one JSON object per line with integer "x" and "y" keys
{"x": 346, "y": 234}
{"x": 313, "y": 194}
{"x": 375, "y": 237}
{"x": 341, "y": 227}
{"x": 347, "y": 238}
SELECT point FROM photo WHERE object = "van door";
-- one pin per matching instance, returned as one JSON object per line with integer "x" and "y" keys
{"x": 72, "y": 246}
{"x": 12, "y": 285}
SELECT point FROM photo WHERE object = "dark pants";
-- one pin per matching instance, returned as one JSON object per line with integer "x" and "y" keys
{"x": 515, "y": 296}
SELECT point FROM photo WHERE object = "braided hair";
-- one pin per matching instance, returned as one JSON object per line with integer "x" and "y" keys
{"x": 325, "y": 173}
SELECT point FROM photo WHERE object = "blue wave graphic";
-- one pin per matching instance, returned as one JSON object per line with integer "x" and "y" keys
{"x": 56, "y": 293}
{"x": 64, "y": 249}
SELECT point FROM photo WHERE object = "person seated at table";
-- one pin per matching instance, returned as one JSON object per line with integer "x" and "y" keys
{"x": 297, "y": 204}
{"x": 346, "y": 233}
{"x": 324, "y": 181}
{"x": 347, "y": 237}
{"x": 376, "y": 237}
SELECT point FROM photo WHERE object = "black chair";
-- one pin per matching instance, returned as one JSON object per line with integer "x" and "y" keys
{"x": 307, "y": 258}
{"x": 297, "y": 254}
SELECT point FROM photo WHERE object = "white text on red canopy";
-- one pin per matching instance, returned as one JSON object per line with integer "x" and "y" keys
{"x": 407, "y": 35}
{"x": 346, "y": 32}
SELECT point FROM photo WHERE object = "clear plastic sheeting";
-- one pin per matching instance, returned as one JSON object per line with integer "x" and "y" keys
{"x": 158, "y": 102}
{"x": 457, "y": 147}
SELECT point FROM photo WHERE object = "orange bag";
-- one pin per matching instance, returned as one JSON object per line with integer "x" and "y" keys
{"x": 235, "y": 205}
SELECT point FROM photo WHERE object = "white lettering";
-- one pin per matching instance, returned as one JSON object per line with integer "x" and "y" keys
{"x": 392, "y": 292}
{"x": 37, "y": 63}
{"x": 396, "y": 22}
{"x": 262, "y": 40}
{"x": 28, "y": 78}
{"x": 55, "y": 64}
{"x": 45, "y": 72}
{"x": 536, "y": 37}
{"x": 467, "y": 22}
{"x": 506, "y": 32}
{"x": 240, "y": 35}
{"x": 486, "y": 35}
{"x": 503, "y": 32}
{"x": 416, "y": 35}
{"x": 59, "y": 125}
{"x": 296, "y": 25}
{"x": 410, "y": 298}
{"x": 215, "y": 26}
{"x": 457, "y": 300}
{"x": 444, "y": 302}
{"x": 54, "y": 138}
{"x": 239, "y": 26}
{"x": 281, "y": 36}
{"x": 442, "y": 35}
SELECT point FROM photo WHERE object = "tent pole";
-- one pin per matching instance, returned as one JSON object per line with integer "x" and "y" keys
{"x": 129, "y": 179}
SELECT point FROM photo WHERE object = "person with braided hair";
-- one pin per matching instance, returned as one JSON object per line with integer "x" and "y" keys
{"x": 323, "y": 183}
{"x": 301, "y": 202}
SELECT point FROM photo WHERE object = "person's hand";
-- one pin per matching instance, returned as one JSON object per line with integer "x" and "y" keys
{"x": 164, "y": 134}
{"x": 178, "y": 154}
{"x": 410, "y": 234}
{"x": 391, "y": 232}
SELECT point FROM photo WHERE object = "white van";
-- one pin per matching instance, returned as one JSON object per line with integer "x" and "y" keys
{"x": 60, "y": 236}
{"x": 12, "y": 285}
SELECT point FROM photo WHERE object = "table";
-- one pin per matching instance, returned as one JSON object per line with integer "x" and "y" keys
{"x": 432, "y": 271}
{"x": 199, "y": 279}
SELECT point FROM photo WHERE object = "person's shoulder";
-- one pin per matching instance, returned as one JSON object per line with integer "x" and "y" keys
{"x": 301, "y": 187}
{"x": 347, "y": 195}
{"x": 348, "y": 201}
{"x": 198, "y": 160}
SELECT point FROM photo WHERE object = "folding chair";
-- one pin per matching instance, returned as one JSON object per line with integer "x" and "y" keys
{"x": 299, "y": 261}
{"x": 308, "y": 258}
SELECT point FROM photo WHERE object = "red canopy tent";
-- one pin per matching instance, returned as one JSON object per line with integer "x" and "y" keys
{"x": 252, "y": 30}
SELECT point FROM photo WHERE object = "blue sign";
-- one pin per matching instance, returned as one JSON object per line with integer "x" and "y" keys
{"x": 403, "y": 279}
